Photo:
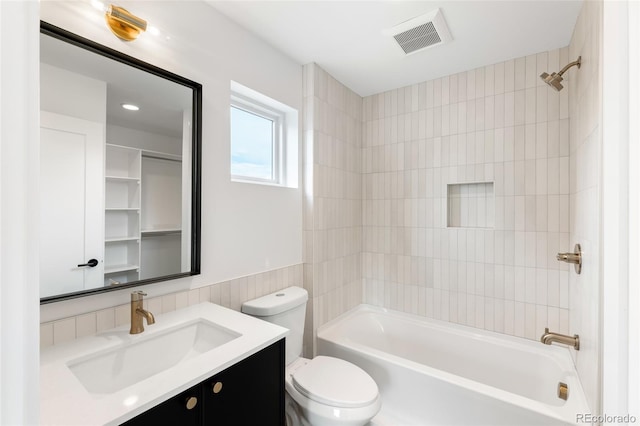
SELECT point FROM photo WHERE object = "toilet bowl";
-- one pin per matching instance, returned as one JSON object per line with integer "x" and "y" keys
{"x": 319, "y": 391}
{"x": 330, "y": 391}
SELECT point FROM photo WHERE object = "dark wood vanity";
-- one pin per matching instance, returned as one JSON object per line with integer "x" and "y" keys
{"x": 250, "y": 392}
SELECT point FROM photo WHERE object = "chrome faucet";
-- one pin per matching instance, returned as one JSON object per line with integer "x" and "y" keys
{"x": 137, "y": 313}
{"x": 548, "y": 338}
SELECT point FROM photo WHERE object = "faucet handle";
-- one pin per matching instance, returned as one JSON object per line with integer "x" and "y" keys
{"x": 575, "y": 258}
{"x": 137, "y": 295}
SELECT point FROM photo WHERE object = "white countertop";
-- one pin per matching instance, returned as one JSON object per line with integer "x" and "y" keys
{"x": 65, "y": 401}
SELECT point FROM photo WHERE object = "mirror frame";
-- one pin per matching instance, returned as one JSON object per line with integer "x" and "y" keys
{"x": 196, "y": 157}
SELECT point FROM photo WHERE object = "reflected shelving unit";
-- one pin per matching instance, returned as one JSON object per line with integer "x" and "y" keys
{"x": 143, "y": 214}
{"x": 161, "y": 214}
{"x": 122, "y": 214}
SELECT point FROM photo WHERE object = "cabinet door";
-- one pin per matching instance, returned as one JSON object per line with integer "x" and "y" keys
{"x": 181, "y": 410}
{"x": 250, "y": 392}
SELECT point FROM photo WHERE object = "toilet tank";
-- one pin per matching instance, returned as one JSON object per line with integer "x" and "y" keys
{"x": 285, "y": 308}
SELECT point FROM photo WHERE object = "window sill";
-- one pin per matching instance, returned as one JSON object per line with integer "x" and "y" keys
{"x": 257, "y": 182}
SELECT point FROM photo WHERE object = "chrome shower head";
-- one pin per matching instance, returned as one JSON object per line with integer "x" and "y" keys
{"x": 554, "y": 79}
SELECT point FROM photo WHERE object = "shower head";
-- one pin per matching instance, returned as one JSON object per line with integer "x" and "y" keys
{"x": 554, "y": 79}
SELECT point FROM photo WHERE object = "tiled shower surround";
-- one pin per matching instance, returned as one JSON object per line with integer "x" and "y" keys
{"x": 586, "y": 189}
{"x": 498, "y": 124}
{"x": 332, "y": 199}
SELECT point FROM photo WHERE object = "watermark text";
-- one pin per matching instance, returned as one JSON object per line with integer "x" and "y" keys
{"x": 605, "y": 419}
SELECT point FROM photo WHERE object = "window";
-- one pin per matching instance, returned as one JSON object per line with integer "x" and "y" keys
{"x": 255, "y": 142}
{"x": 264, "y": 139}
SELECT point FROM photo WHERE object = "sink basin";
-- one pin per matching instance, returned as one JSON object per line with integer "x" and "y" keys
{"x": 111, "y": 377}
{"x": 114, "y": 369}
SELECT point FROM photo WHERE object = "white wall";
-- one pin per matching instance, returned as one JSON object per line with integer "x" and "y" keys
{"x": 621, "y": 208}
{"x": 72, "y": 94}
{"x": 19, "y": 217}
{"x": 206, "y": 47}
{"x": 632, "y": 390}
{"x": 126, "y": 136}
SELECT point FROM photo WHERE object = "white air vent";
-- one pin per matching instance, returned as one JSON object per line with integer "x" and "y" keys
{"x": 423, "y": 31}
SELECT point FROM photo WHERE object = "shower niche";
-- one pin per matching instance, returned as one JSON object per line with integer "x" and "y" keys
{"x": 470, "y": 205}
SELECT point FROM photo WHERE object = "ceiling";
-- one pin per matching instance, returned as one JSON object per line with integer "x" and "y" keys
{"x": 162, "y": 102}
{"x": 346, "y": 37}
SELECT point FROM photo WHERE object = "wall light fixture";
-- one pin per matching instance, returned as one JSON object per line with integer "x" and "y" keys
{"x": 125, "y": 25}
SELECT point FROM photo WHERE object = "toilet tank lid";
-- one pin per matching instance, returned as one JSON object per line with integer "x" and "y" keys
{"x": 275, "y": 303}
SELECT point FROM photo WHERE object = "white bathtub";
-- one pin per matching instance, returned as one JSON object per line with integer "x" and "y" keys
{"x": 435, "y": 373}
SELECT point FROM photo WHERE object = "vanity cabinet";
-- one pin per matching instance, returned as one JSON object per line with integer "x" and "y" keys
{"x": 250, "y": 392}
{"x": 183, "y": 409}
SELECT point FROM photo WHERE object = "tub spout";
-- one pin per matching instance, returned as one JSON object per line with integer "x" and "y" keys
{"x": 549, "y": 337}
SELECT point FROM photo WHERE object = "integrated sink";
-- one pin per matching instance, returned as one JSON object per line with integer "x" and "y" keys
{"x": 111, "y": 370}
{"x": 113, "y": 376}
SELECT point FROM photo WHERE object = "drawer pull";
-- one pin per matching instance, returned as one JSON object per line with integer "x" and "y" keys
{"x": 192, "y": 401}
{"x": 217, "y": 387}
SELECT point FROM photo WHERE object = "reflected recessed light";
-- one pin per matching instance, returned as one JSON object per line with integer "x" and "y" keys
{"x": 130, "y": 107}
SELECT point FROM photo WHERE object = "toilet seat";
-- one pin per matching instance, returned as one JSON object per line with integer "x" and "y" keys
{"x": 335, "y": 382}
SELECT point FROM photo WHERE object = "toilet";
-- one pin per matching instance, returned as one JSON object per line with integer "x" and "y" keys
{"x": 319, "y": 391}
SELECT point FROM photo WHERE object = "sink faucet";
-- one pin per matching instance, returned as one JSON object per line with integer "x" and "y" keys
{"x": 548, "y": 338}
{"x": 137, "y": 313}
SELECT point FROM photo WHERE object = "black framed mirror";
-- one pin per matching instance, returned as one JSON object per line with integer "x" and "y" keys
{"x": 120, "y": 169}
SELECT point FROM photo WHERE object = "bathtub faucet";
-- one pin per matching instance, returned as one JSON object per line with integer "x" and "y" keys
{"x": 548, "y": 338}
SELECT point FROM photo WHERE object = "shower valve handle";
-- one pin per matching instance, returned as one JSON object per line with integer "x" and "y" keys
{"x": 569, "y": 257}
{"x": 575, "y": 258}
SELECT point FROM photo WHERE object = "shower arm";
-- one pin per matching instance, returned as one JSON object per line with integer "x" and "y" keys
{"x": 577, "y": 62}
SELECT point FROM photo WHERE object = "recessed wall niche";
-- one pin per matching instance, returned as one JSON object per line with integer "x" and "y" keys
{"x": 470, "y": 205}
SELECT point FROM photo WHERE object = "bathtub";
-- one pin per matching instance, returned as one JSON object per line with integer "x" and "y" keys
{"x": 432, "y": 372}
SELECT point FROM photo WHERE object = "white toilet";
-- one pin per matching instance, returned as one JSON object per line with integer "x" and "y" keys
{"x": 323, "y": 390}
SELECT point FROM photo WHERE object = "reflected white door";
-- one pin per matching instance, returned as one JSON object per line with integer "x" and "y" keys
{"x": 71, "y": 204}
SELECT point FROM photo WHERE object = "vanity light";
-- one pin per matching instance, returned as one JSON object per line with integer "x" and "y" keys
{"x": 123, "y": 23}
{"x": 130, "y": 107}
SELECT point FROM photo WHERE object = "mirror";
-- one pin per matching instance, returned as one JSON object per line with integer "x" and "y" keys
{"x": 120, "y": 188}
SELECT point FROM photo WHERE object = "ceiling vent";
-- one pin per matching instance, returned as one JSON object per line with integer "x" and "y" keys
{"x": 421, "y": 32}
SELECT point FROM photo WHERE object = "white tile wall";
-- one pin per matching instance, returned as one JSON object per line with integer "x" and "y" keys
{"x": 585, "y": 105}
{"x": 497, "y": 124}
{"x": 230, "y": 294}
{"x": 333, "y": 199}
